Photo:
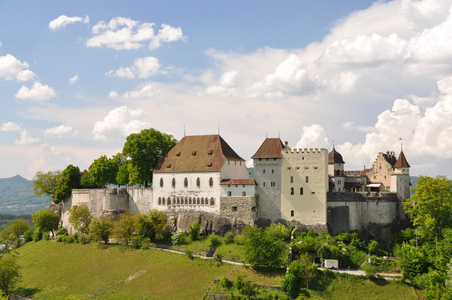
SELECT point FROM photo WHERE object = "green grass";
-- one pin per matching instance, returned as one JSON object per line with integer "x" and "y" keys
{"x": 53, "y": 270}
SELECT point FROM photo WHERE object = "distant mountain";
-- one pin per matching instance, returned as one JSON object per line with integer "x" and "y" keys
{"x": 16, "y": 196}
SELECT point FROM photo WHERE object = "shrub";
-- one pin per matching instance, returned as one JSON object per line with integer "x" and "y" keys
{"x": 239, "y": 239}
{"x": 59, "y": 239}
{"x": 37, "y": 236}
{"x": 68, "y": 239}
{"x": 75, "y": 237}
{"x": 46, "y": 236}
{"x": 226, "y": 283}
{"x": 214, "y": 241}
{"x": 189, "y": 254}
{"x": 137, "y": 242}
{"x": 193, "y": 230}
{"x": 145, "y": 247}
{"x": 83, "y": 240}
{"x": 28, "y": 235}
{"x": 218, "y": 258}
{"x": 279, "y": 231}
{"x": 229, "y": 238}
{"x": 178, "y": 238}
{"x": 62, "y": 231}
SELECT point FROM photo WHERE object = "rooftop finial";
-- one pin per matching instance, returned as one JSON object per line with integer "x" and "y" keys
{"x": 279, "y": 134}
{"x": 333, "y": 144}
{"x": 401, "y": 144}
{"x": 184, "y": 130}
{"x": 218, "y": 128}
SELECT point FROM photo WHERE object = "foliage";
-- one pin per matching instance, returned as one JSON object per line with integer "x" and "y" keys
{"x": 62, "y": 231}
{"x": 299, "y": 274}
{"x": 228, "y": 238}
{"x": 46, "y": 236}
{"x": 193, "y": 230}
{"x": 145, "y": 149}
{"x": 83, "y": 240}
{"x": 189, "y": 254}
{"x": 412, "y": 262}
{"x": 226, "y": 283}
{"x": 123, "y": 175}
{"x": 103, "y": 171}
{"x": 279, "y": 231}
{"x": 214, "y": 241}
{"x": 178, "y": 238}
{"x": 16, "y": 228}
{"x": 70, "y": 179}
{"x": 263, "y": 250}
{"x": 46, "y": 220}
{"x": 431, "y": 206}
{"x": 37, "y": 235}
{"x": 151, "y": 225}
{"x": 9, "y": 272}
{"x": 125, "y": 227}
{"x": 28, "y": 235}
{"x": 137, "y": 242}
{"x": 44, "y": 182}
{"x": 101, "y": 228}
{"x": 80, "y": 217}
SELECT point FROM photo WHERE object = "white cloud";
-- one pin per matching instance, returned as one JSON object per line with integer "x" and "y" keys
{"x": 26, "y": 139}
{"x": 142, "y": 67}
{"x": 60, "y": 131}
{"x": 37, "y": 92}
{"x": 13, "y": 69}
{"x": 63, "y": 20}
{"x": 145, "y": 92}
{"x": 124, "y": 33}
{"x": 313, "y": 136}
{"x": 74, "y": 79}
{"x": 119, "y": 123}
{"x": 9, "y": 126}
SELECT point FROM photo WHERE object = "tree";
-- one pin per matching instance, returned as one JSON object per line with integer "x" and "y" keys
{"x": 151, "y": 225}
{"x": 431, "y": 206}
{"x": 70, "y": 179}
{"x": 145, "y": 149}
{"x": 46, "y": 220}
{"x": 9, "y": 272}
{"x": 103, "y": 171}
{"x": 101, "y": 228}
{"x": 44, "y": 183}
{"x": 300, "y": 273}
{"x": 194, "y": 230}
{"x": 123, "y": 175}
{"x": 263, "y": 250}
{"x": 125, "y": 227}
{"x": 16, "y": 228}
{"x": 80, "y": 217}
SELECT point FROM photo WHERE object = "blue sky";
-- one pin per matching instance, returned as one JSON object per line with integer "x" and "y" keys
{"x": 77, "y": 77}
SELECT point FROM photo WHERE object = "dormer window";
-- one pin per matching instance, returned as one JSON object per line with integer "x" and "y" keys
{"x": 178, "y": 154}
{"x": 210, "y": 152}
{"x": 193, "y": 153}
{"x": 168, "y": 166}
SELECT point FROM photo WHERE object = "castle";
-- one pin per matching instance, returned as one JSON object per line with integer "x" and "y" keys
{"x": 204, "y": 176}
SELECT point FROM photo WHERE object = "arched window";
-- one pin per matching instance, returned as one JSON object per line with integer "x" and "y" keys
{"x": 292, "y": 213}
{"x": 301, "y": 191}
{"x": 163, "y": 201}
{"x": 197, "y": 201}
{"x": 178, "y": 200}
{"x": 273, "y": 171}
{"x": 211, "y": 182}
{"x": 202, "y": 201}
{"x": 160, "y": 200}
{"x": 189, "y": 200}
{"x": 186, "y": 200}
{"x": 173, "y": 182}
{"x": 291, "y": 179}
{"x": 161, "y": 182}
{"x": 212, "y": 201}
{"x": 185, "y": 182}
{"x": 169, "y": 201}
{"x": 263, "y": 171}
{"x": 198, "y": 182}
{"x": 307, "y": 179}
{"x": 291, "y": 191}
{"x": 229, "y": 193}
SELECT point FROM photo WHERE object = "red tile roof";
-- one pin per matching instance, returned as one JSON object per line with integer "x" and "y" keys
{"x": 247, "y": 181}
{"x": 270, "y": 148}
{"x": 401, "y": 161}
{"x": 201, "y": 153}
{"x": 335, "y": 157}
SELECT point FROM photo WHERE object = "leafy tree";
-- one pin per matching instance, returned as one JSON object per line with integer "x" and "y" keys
{"x": 413, "y": 262}
{"x": 44, "y": 183}
{"x": 70, "y": 179}
{"x": 45, "y": 220}
{"x": 151, "y": 225}
{"x": 9, "y": 272}
{"x": 101, "y": 228}
{"x": 80, "y": 217}
{"x": 16, "y": 228}
{"x": 299, "y": 274}
{"x": 125, "y": 227}
{"x": 145, "y": 149}
{"x": 103, "y": 171}
{"x": 86, "y": 180}
{"x": 431, "y": 206}
{"x": 263, "y": 250}
{"x": 194, "y": 230}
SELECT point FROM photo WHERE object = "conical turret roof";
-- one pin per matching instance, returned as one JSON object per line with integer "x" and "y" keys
{"x": 401, "y": 161}
{"x": 335, "y": 157}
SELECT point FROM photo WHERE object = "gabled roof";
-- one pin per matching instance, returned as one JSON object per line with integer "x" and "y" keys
{"x": 335, "y": 157}
{"x": 390, "y": 158}
{"x": 270, "y": 148}
{"x": 247, "y": 181}
{"x": 401, "y": 161}
{"x": 200, "y": 153}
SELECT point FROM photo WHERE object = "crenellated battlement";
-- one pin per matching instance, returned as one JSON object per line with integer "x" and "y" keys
{"x": 304, "y": 151}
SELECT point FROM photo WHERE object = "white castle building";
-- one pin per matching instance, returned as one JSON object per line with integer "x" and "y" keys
{"x": 204, "y": 175}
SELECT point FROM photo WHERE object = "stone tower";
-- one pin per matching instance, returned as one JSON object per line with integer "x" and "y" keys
{"x": 400, "y": 178}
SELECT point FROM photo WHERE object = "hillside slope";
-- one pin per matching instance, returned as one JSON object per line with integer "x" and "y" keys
{"x": 16, "y": 196}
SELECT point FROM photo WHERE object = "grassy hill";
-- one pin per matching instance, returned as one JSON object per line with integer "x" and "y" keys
{"x": 16, "y": 196}
{"x": 53, "y": 270}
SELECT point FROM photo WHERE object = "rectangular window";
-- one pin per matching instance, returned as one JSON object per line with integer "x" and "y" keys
{"x": 234, "y": 208}
{"x": 243, "y": 193}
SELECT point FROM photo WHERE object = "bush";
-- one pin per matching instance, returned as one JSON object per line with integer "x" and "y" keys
{"x": 189, "y": 254}
{"x": 137, "y": 242}
{"x": 226, "y": 283}
{"x": 37, "y": 236}
{"x": 46, "y": 236}
{"x": 214, "y": 241}
{"x": 229, "y": 238}
{"x": 59, "y": 239}
{"x": 68, "y": 239}
{"x": 218, "y": 258}
{"x": 83, "y": 240}
{"x": 193, "y": 230}
{"x": 62, "y": 231}
{"x": 145, "y": 247}
{"x": 28, "y": 235}
{"x": 239, "y": 239}
{"x": 279, "y": 231}
{"x": 178, "y": 238}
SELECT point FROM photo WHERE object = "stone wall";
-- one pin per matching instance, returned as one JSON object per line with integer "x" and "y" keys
{"x": 239, "y": 207}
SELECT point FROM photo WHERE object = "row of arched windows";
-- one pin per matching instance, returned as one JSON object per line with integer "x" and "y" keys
{"x": 292, "y": 191}
{"x": 186, "y": 201}
{"x": 198, "y": 182}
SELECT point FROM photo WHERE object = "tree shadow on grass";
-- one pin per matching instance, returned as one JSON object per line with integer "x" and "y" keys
{"x": 379, "y": 281}
{"x": 25, "y": 292}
